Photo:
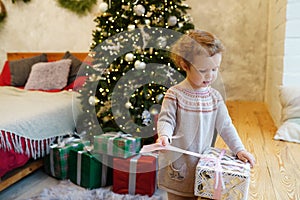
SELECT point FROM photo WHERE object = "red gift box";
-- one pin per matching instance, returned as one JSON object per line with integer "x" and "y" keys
{"x": 135, "y": 175}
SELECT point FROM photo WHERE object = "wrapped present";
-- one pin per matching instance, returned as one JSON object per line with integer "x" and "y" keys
{"x": 117, "y": 144}
{"x": 88, "y": 170}
{"x": 220, "y": 175}
{"x": 56, "y": 163}
{"x": 135, "y": 175}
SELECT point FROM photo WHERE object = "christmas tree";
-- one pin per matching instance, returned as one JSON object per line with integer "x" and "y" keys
{"x": 131, "y": 68}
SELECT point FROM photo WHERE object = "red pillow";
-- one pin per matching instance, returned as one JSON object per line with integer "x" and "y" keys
{"x": 5, "y": 75}
{"x": 11, "y": 160}
{"x": 51, "y": 90}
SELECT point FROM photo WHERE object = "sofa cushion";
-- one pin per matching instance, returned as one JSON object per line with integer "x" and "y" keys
{"x": 20, "y": 69}
{"x": 75, "y": 66}
{"x": 5, "y": 75}
{"x": 290, "y": 115}
{"x": 290, "y": 102}
{"x": 49, "y": 76}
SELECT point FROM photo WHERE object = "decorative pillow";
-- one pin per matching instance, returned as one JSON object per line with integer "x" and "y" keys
{"x": 290, "y": 102}
{"x": 49, "y": 76}
{"x": 289, "y": 131}
{"x": 5, "y": 75}
{"x": 77, "y": 84}
{"x": 75, "y": 66}
{"x": 20, "y": 69}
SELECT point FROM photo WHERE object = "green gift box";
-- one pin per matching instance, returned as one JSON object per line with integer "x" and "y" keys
{"x": 117, "y": 144}
{"x": 56, "y": 163}
{"x": 89, "y": 170}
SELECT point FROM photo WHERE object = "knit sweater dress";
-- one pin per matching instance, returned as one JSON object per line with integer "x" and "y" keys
{"x": 190, "y": 117}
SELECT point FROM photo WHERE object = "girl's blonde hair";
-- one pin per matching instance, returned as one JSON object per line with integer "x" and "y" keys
{"x": 193, "y": 43}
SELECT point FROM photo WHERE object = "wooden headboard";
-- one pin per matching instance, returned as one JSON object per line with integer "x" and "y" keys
{"x": 50, "y": 55}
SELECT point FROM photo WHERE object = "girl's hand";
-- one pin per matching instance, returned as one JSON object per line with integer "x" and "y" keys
{"x": 246, "y": 157}
{"x": 163, "y": 140}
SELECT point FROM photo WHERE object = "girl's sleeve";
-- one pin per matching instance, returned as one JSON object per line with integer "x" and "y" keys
{"x": 227, "y": 130}
{"x": 167, "y": 116}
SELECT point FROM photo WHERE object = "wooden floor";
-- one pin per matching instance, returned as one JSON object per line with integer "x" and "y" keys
{"x": 277, "y": 172}
{"x": 276, "y": 175}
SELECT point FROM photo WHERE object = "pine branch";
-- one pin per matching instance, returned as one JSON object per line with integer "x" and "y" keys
{"x": 79, "y": 7}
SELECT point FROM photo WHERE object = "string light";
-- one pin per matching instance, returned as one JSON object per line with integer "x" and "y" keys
{"x": 108, "y": 24}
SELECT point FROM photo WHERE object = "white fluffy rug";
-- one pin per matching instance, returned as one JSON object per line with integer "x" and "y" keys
{"x": 66, "y": 190}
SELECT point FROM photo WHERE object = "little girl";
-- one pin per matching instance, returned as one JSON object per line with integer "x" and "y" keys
{"x": 191, "y": 111}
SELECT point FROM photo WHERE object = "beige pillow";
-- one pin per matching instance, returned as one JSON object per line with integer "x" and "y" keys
{"x": 290, "y": 102}
{"x": 49, "y": 75}
{"x": 289, "y": 130}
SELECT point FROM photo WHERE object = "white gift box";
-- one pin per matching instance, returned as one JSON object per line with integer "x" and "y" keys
{"x": 220, "y": 175}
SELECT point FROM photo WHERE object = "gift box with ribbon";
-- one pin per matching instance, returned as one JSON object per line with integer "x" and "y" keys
{"x": 135, "y": 175}
{"x": 56, "y": 163}
{"x": 220, "y": 175}
{"x": 89, "y": 170}
{"x": 117, "y": 144}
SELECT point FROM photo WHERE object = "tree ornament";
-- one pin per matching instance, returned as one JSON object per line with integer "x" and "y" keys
{"x": 104, "y": 33}
{"x": 147, "y": 22}
{"x": 103, "y": 7}
{"x": 106, "y": 119}
{"x": 129, "y": 57}
{"x": 125, "y": 7}
{"x": 131, "y": 27}
{"x": 146, "y": 117}
{"x": 128, "y": 105}
{"x": 93, "y": 100}
{"x": 172, "y": 21}
{"x": 139, "y": 65}
{"x": 139, "y": 10}
{"x": 152, "y": 7}
{"x": 162, "y": 42}
{"x": 148, "y": 94}
{"x": 149, "y": 14}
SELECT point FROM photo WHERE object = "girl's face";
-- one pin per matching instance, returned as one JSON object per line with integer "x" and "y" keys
{"x": 203, "y": 71}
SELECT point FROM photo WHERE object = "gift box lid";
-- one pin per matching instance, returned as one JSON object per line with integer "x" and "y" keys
{"x": 230, "y": 164}
{"x": 144, "y": 164}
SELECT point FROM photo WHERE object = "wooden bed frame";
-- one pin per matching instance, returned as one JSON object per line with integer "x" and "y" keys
{"x": 32, "y": 165}
{"x": 50, "y": 55}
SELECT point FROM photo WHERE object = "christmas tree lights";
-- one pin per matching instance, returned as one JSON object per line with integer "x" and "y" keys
{"x": 131, "y": 68}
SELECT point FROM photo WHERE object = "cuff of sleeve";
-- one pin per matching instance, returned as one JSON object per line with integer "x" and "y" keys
{"x": 169, "y": 139}
{"x": 238, "y": 150}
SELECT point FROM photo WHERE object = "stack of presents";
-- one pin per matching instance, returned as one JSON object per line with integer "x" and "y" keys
{"x": 115, "y": 160}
